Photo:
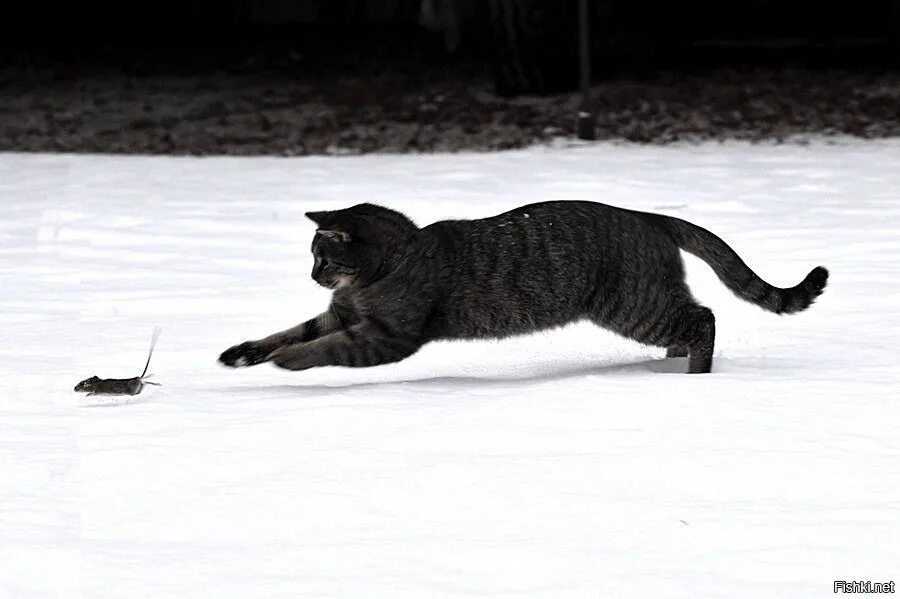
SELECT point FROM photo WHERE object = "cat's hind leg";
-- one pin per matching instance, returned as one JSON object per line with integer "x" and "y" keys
{"x": 682, "y": 326}
{"x": 677, "y": 351}
{"x": 697, "y": 331}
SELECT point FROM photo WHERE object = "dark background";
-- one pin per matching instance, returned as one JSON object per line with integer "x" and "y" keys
{"x": 313, "y": 76}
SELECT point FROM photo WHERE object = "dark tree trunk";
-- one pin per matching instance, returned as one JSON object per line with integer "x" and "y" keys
{"x": 532, "y": 44}
{"x": 895, "y": 26}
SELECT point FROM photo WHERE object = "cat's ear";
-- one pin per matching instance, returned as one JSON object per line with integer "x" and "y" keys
{"x": 334, "y": 235}
{"x": 318, "y": 217}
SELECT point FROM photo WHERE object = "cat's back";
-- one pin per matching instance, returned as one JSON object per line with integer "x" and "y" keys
{"x": 531, "y": 267}
{"x": 534, "y": 231}
{"x": 542, "y": 213}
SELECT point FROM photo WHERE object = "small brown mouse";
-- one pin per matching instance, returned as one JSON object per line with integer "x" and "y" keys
{"x": 97, "y": 386}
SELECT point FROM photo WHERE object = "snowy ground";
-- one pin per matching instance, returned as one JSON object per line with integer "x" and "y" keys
{"x": 572, "y": 463}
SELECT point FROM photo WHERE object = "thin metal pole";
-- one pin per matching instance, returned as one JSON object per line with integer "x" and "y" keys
{"x": 586, "y": 119}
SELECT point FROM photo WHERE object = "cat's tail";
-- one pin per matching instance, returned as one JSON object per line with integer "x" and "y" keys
{"x": 738, "y": 277}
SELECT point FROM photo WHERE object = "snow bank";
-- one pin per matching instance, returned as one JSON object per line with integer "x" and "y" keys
{"x": 572, "y": 463}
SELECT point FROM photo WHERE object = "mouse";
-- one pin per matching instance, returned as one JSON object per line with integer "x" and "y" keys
{"x": 97, "y": 386}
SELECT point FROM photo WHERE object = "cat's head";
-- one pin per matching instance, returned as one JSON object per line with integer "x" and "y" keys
{"x": 354, "y": 246}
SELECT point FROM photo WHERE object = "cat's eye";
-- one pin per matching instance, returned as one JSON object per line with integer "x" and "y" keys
{"x": 340, "y": 236}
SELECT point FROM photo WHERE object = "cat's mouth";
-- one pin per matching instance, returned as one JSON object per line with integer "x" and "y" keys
{"x": 336, "y": 281}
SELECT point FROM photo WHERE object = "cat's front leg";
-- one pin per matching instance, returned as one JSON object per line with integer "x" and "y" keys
{"x": 363, "y": 345}
{"x": 251, "y": 353}
{"x": 248, "y": 353}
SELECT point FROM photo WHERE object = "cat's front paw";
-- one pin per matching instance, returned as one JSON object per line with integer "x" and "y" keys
{"x": 248, "y": 353}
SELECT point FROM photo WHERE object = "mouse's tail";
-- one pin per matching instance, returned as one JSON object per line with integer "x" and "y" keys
{"x": 156, "y": 333}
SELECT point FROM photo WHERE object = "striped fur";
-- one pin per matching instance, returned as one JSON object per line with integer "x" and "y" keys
{"x": 398, "y": 286}
{"x": 737, "y": 276}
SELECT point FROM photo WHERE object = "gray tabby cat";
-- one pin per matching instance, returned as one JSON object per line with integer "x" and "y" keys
{"x": 398, "y": 287}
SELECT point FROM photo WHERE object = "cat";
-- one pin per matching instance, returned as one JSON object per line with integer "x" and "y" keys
{"x": 397, "y": 286}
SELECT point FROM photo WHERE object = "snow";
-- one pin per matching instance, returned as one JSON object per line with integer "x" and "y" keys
{"x": 571, "y": 463}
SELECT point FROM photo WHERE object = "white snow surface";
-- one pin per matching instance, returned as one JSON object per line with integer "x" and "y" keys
{"x": 571, "y": 463}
